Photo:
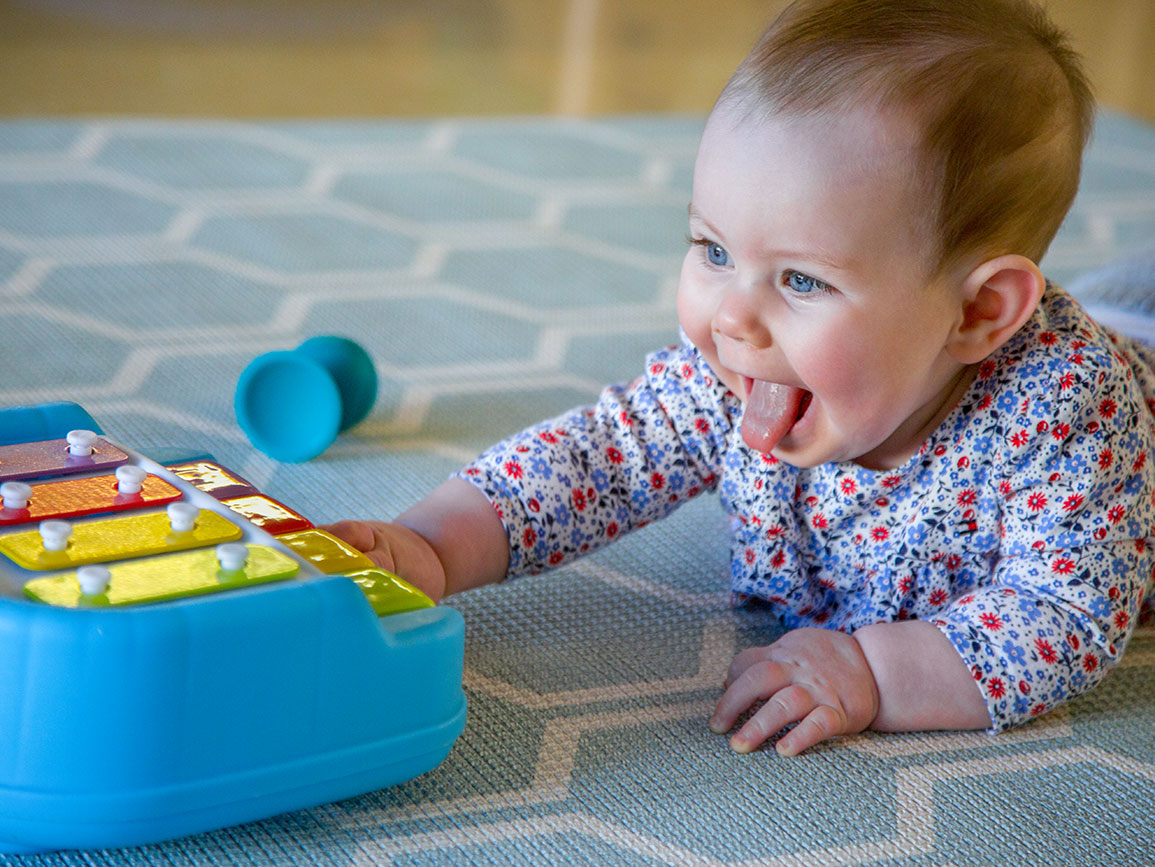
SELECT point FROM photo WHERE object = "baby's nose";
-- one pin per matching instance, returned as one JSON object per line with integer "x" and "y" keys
{"x": 742, "y": 318}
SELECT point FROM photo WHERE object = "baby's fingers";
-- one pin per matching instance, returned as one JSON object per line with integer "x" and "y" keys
{"x": 357, "y": 533}
{"x": 820, "y": 724}
{"x": 758, "y": 681}
{"x": 743, "y": 660}
{"x": 782, "y": 708}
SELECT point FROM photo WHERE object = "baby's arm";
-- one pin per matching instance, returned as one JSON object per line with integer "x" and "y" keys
{"x": 890, "y": 676}
{"x": 448, "y": 542}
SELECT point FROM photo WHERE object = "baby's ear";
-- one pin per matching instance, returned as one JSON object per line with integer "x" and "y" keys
{"x": 997, "y": 298}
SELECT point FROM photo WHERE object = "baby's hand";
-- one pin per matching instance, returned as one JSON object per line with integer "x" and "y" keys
{"x": 396, "y": 549}
{"x": 818, "y": 678}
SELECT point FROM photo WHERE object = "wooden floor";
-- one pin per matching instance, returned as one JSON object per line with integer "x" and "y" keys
{"x": 357, "y": 58}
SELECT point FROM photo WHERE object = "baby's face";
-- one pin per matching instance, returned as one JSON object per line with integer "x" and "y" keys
{"x": 808, "y": 269}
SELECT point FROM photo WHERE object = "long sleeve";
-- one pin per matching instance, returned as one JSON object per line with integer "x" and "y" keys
{"x": 570, "y": 485}
{"x": 1075, "y": 558}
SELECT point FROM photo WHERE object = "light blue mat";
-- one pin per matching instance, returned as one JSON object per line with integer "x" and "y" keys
{"x": 500, "y": 271}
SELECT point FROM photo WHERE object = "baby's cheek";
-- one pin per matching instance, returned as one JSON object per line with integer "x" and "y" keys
{"x": 695, "y": 316}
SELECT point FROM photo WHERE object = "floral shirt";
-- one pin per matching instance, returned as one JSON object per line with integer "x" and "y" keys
{"x": 1023, "y": 529}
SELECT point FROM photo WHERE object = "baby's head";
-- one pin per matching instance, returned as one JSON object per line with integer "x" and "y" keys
{"x": 996, "y": 95}
{"x": 871, "y": 196}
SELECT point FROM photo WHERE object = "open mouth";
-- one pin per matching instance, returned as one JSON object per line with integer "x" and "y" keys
{"x": 771, "y": 412}
{"x": 803, "y": 405}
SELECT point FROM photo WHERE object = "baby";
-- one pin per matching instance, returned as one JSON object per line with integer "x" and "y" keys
{"x": 937, "y": 469}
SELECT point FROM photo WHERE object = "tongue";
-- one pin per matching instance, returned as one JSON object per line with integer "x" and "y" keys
{"x": 771, "y": 410}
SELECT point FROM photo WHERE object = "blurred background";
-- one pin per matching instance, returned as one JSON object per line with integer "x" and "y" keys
{"x": 377, "y": 58}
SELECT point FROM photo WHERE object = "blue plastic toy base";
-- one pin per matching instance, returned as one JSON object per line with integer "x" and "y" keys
{"x": 124, "y": 726}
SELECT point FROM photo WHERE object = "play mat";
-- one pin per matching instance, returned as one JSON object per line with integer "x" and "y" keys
{"x": 499, "y": 271}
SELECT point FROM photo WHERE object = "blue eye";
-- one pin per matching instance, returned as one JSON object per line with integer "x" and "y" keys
{"x": 717, "y": 255}
{"x": 804, "y": 284}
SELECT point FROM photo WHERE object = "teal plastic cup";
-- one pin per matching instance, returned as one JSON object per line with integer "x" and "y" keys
{"x": 291, "y": 404}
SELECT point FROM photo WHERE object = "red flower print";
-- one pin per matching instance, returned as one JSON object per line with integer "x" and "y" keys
{"x": 1038, "y": 710}
{"x": 513, "y": 469}
{"x": 547, "y": 436}
{"x": 1045, "y": 650}
{"x": 1122, "y": 620}
{"x": 996, "y": 688}
{"x": 1020, "y": 439}
{"x": 1116, "y": 514}
{"x": 891, "y": 481}
{"x": 1090, "y": 663}
{"x": 991, "y": 620}
{"x": 529, "y": 537}
{"x": 1072, "y": 502}
{"x": 879, "y": 534}
{"x": 1106, "y": 458}
{"x": 702, "y": 425}
{"x": 1063, "y": 565}
{"x": 614, "y": 455}
{"x": 579, "y": 499}
{"x": 556, "y": 557}
{"x": 778, "y": 559}
{"x": 987, "y": 369}
{"x": 953, "y": 562}
{"x": 656, "y": 369}
{"x": 1108, "y": 408}
{"x": 985, "y": 402}
{"x": 968, "y": 497}
{"x": 749, "y": 555}
{"x": 819, "y": 521}
{"x": 938, "y": 597}
{"x": 1139, "y": 462}
{"x": 1061, "y": 430}
{"x": 657, "y": 481}
{"x": 1047, "y": 338}
{"x": 775, "y": 531}
{"x": 849, "y": 486}
{"x": 1067, "y": 379}
{"x": 612, "y": 529}
{"x": 1037, "y": 502}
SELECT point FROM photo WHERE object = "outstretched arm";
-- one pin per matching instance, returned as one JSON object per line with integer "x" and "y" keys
{"x": 889, "y": 676}
{"x": 448, "y": 542}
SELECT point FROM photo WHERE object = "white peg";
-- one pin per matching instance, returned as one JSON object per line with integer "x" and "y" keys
{"x": 54, "y": 535}
{"x": 93, "y": 579}
{"x": 232, "y": 556}
{"x": 80, "y": 442}
{"x": 16, "y": 495}
{"x": 182, "y": 516}
{"x": 129, "y": 479}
